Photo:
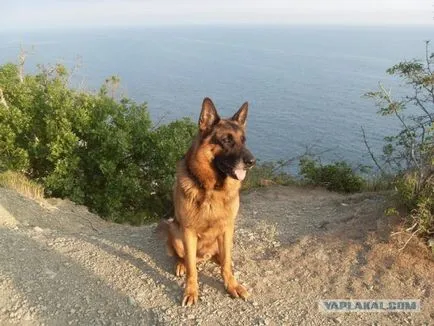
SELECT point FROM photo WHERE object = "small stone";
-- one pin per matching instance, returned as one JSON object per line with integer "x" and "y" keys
{"x": 38, "y": 229}
{"x": 27, "y": 317}
{"x": 190, "y": 316}
{"x": 131, "y": 301}
{"x": 50, "y": 273}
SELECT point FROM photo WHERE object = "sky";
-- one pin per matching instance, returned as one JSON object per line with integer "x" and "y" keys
{"x": 33, "y": 14}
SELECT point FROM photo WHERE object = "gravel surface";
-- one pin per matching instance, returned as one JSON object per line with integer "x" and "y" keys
{"x": 61, "y": 265}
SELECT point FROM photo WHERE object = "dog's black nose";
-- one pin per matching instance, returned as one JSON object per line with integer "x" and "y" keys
{"x": 249, "y": 161}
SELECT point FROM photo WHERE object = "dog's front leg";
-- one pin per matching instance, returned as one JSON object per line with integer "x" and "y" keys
{"x": 191, "y": 293}
{"x": 225, "y": 243}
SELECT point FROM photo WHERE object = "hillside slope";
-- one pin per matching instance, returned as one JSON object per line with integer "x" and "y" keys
{"x": 61, "y": 265}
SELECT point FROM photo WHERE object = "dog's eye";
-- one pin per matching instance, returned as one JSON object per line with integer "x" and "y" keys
{"x": 227, "y": 140}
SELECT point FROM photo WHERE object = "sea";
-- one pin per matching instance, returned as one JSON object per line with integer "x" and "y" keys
{"x": 304, "y": 84}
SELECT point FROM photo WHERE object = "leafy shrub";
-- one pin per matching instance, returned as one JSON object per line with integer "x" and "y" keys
{"x": 97, "y": 151}
{"x": 338, "y": 176}
{"x": 418, "y": 198}
{"x": 410, "y": 153}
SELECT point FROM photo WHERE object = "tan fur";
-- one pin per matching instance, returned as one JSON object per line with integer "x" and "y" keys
{"x": 205, "y": 213}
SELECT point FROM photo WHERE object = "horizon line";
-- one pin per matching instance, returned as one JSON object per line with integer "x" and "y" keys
{"x": 215, "y": 24}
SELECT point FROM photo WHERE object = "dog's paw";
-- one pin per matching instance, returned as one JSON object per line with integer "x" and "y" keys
{"x": 191, "y": 296}
{"x": 238, "y": 291}
{"x": 180, "y": 269}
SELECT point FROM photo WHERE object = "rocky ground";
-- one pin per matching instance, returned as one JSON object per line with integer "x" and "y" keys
{"x": 61, "y": 265}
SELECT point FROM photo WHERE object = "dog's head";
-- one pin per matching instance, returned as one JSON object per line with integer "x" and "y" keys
{"x": 226, "y": 140}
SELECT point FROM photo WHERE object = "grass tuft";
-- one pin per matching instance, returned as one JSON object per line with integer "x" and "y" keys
{"x": 21, "y": 184}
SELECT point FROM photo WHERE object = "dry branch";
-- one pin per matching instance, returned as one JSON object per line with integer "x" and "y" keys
{"x": 3, "y": 100}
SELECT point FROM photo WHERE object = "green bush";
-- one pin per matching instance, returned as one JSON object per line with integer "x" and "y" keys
{"x": 338, "y": 176}
{"x": 410, "y": 153}
{"x": 89, "y": 147}
{"x": 418, "y": 198}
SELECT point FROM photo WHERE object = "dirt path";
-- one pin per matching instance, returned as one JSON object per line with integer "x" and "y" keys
{"x": 65, "y": 266}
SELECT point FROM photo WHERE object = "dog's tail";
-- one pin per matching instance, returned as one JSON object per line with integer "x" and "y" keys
{"x": 164, "y": 226}
{"x": 164, "y": 230}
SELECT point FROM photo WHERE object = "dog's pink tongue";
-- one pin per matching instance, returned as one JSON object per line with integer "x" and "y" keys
{"x": 240, "y": 173}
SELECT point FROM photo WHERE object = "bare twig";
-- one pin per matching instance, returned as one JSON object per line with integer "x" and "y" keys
{"x": 428, "y": 61}
{"x": 396, "y": 233}
{"x": 21, "y": 61}
{"x": 406, "y": 243}
{"x": 76, "y": 67}
{"x": 82, "y": 85}
{"x": 157, "y": 124}
{"x": 428, "y": 65}
{"x": 286, "y": 162}
{"x": 389, "y": 100}
{"x": 407, "y": 129}
{"x": 308, "y": 152}
{"x": 427, "y": 176}
{"x": 413, "y": 156}
{"x": 370, "y": 151}
{"x": 411, "y": 228}
{"x": 3, "y": 100}
{"x": 424, "y": 109}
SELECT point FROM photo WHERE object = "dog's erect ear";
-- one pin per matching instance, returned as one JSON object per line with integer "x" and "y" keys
{"x": 208, "y": 115}
{"x": 241, "y": 115}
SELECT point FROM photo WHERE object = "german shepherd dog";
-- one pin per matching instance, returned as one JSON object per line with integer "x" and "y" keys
{"x": 206, "y": 199}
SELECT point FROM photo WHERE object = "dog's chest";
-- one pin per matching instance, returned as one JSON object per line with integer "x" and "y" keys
{"x": 215, "y": 212}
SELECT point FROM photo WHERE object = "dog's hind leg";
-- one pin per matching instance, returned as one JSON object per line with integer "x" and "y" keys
{"x": 180, "y": 267}
{"x": 178, "y": 248}
{"x": 175, "y": 246}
